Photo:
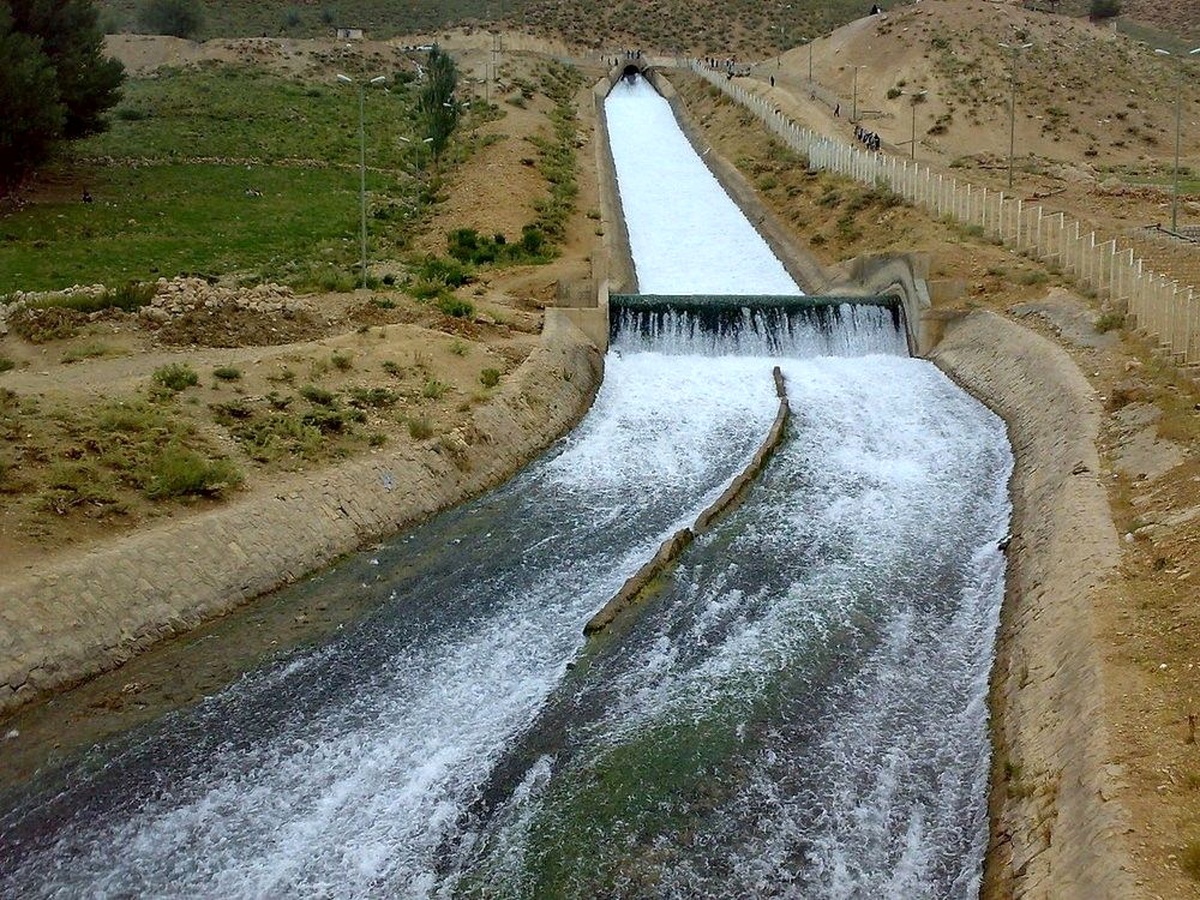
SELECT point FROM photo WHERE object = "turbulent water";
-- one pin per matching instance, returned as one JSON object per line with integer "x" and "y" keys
{"x": 798, "y": 711}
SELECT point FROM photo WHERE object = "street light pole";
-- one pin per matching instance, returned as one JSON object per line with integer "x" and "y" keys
{"x": 362, "y": 161}
{"x": 1012, "y": 107}
{"x": 1178, "y": 136}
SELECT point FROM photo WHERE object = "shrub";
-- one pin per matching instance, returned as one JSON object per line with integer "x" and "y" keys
{"x": 316, "y": 395}
{"x": 456, "y": 306}
{"x": 373, "y": 397}
{"x": 1105, "y": 9}
{"x": 343, "y": 362}
{"x": 332, "y": 420}
{"x": 489, "y": 377}
{"x": 227, "y": 373}
{"x": 442, "y": 271}
{"x": 178, "y": 18}
{"x": 176, "y": 377}
{"x": 419, "y": 429}
{"x": 6, "y": 364}
{"x": 532, "y": 240}
{"x": 434, "y": 389}
{"x": 179, "y": 472}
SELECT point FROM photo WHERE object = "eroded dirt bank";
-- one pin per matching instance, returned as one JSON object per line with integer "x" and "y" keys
{"x": 153, "y": 584}
{"x": 1055, "y": 826}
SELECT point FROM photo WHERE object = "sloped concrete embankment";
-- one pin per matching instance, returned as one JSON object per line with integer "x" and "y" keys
{"x": 1056, "y": 823}
{"x": 632, "y": 591}
{"x": 77, "y": 616}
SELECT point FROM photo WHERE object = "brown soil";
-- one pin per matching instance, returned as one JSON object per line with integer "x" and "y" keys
{"x": 1152, "y": 428}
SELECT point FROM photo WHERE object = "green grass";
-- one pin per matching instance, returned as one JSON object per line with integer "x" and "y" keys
{"x": 222, "y": 170}
{"x": 171, "y": 219}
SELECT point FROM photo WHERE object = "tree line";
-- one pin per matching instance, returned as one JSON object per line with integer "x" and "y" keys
{"x": 55, "y": 81}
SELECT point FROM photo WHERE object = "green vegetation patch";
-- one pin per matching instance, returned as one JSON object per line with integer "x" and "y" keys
{"x": 107, "y": 459}
{"x": 221, "y": 170}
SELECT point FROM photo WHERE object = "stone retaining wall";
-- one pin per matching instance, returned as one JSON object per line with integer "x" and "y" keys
{"x": 1056, "y": 822}
{"x": 77, "y": 615}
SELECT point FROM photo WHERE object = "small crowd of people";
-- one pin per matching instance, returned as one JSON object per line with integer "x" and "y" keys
{"x": 869, "y": 139}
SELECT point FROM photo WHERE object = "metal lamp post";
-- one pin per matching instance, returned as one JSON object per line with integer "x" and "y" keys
{"x": 1178, "y": 135}
{"x": 362, "y": 159}
{"x": 1012, "y": 107}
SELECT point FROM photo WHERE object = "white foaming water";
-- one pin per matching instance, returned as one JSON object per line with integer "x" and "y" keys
{"x": 846, "y": 329}
{"x": 847, "y": 621}
{"x": 685, "y": 234}
{"x": 356, "y": 795}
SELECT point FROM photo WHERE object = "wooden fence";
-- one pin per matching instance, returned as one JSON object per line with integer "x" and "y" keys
{"x": 1164, "y": 308}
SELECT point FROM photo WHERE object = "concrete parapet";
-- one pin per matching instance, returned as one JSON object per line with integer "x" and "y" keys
{"x": 592, "y": 322}
{"x": 617, "y": 266}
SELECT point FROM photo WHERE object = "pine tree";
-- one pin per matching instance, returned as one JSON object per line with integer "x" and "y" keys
{"x": 55, "y": 81}
{"x": 88, "y": 83}
{"x": 33, "y": 113}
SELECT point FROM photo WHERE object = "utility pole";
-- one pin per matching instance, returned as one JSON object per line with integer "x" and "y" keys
{"x": 362, "y": 159}
{"x": 916, "y": 98}
{"x": 782, "y": 33}
{"x": 854, "y": 105}
{"x": 1012, "y": 107}
{"x": 1178, "y": 137}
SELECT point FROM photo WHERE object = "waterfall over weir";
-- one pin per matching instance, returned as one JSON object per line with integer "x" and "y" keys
{"x": 758, "y": 326}
{"x": 799, "y": 710}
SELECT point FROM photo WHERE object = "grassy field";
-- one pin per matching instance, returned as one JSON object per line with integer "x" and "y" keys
{"x": 220, "y": 171}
